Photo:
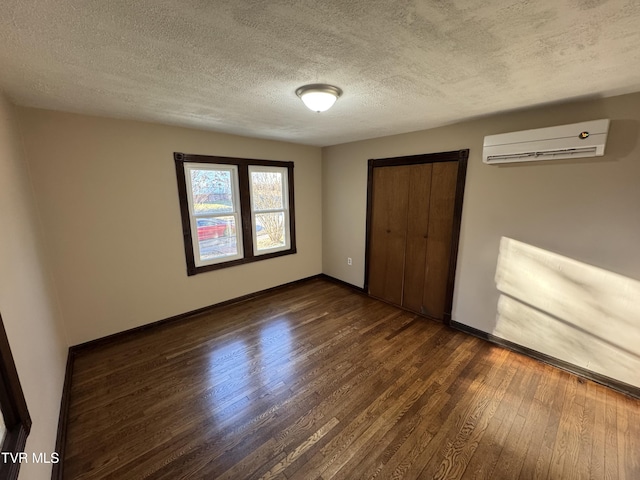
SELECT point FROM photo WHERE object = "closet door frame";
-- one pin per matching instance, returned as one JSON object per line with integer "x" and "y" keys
{"x": 460, "y": 156}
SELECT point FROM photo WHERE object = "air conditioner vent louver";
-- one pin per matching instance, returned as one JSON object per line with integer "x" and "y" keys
{"x": 565, "y": 141}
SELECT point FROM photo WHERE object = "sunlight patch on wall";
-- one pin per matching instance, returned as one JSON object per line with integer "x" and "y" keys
{"x": 572, "y": 311}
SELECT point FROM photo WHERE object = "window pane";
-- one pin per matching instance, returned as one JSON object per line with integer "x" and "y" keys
{"x": 217, "y": 237}
{"x": 212, "y": 191}
{"x": 270, "y": 230}
{"x": 266, "y": 190}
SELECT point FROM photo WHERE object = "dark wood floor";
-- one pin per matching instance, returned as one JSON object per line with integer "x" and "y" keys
{"x": 315, "y": 381}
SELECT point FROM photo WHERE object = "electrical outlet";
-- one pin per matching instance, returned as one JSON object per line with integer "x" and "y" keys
{"x": 349, "y": 261}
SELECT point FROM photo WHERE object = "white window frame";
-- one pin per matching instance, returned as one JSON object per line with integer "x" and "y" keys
{"x": 193, "y": 216}
{"x": 283, "y": 171}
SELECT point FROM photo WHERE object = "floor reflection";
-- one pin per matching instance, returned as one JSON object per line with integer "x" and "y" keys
{"x": 249, "y": 368}
{"x": 275, "y": 351}
{"x": 229, "y": 379}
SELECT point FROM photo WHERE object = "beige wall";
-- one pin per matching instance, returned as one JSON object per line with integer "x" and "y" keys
{"x": 584, "y": 209}
{"x": 27, "y": 299}
{"x": 107, "y": 193}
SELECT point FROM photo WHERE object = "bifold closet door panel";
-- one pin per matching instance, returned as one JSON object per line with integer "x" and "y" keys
{"x": 388, "y": 232}
{"x": 419, "y": 190}
{"x": 441, "y": 210}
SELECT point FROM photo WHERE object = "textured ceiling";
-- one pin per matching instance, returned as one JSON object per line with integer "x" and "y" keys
{"x": 233, "y": 66}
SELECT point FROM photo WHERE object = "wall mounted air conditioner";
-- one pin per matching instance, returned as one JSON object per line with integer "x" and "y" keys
{"x": 585, "y": 139}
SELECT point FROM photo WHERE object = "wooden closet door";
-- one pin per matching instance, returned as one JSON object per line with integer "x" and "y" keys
{"x": 419, "y": 199}
{"x": 441, "y": 214}
{"x": 414, "y": 208}
{"x": 388, "y": 232}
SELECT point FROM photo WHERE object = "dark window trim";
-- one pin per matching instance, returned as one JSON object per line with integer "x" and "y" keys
{"x": 460, "y": 156}
{"x": 14, "y": 408}
{"x": 245, "y": 209}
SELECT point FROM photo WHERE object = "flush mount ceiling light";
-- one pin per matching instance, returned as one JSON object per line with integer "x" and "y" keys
{"x": 319, "y": 97}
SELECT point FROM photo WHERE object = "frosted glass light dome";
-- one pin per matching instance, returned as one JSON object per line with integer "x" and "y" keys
{"x": 319, "y": 97}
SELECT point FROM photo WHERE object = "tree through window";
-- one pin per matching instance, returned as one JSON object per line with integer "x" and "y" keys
{"x": 269, "y": 208}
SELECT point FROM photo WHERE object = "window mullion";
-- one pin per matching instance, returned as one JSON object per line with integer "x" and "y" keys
{"x": 291, "y": 210}
{"x": 245, "y": 210}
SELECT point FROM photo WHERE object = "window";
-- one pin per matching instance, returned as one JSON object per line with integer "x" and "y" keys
{"x": 214, "y": 211}
{"x": 16, "y": 422}
{"x": 269, "y": 209}
{"x": 234, "y": 210}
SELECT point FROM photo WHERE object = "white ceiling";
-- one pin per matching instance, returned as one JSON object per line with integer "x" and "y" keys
{"x": 233, "y": 65}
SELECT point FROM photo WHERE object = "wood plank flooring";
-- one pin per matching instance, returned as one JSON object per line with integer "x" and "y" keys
{"x": 314, "y": 381}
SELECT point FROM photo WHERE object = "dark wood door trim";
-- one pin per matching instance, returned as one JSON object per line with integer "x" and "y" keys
{"x": 460, "y": 156}
{"x": 452, "y": 156}
{"x": 13, "y": 408}
{"x": 455, "y": 233}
